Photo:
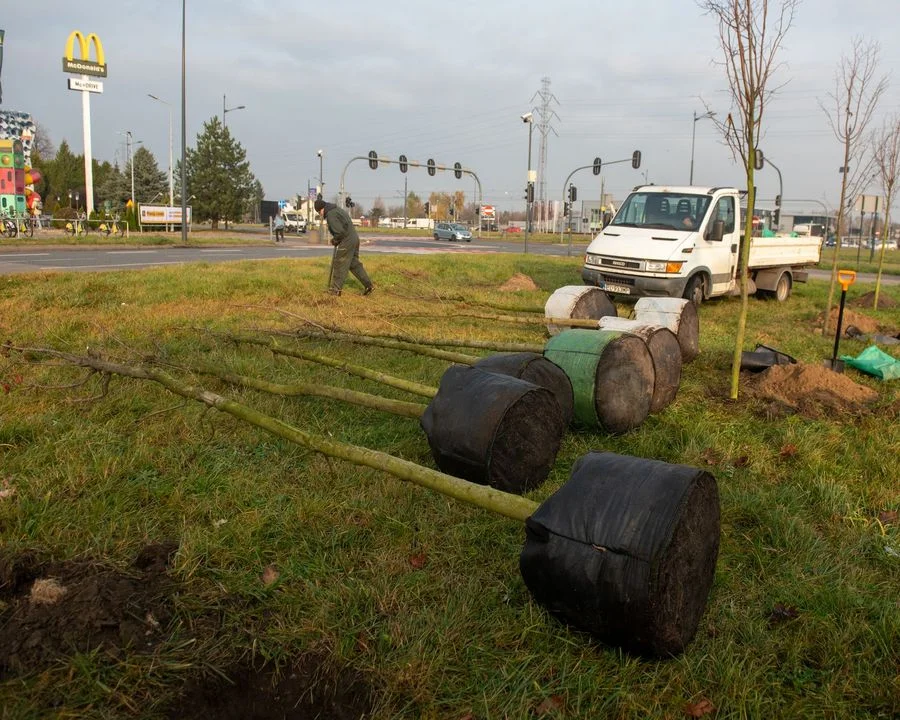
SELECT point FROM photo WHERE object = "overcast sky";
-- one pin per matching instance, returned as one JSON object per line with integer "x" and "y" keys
{"x": 447, "y": 81}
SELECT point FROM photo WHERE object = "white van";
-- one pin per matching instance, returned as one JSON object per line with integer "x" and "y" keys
{"x": 294, "y": 221}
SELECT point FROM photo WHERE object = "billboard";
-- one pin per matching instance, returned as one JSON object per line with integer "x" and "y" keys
{"x": 161, "y": 215}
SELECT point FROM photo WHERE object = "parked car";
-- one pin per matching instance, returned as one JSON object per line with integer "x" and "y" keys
{"x": 451, "y": 231}
{"x": 513, "y": 229}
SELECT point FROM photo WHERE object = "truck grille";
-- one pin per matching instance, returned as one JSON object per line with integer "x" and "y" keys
{"x": 617, "y": 279}
{"x": 619, "y": 263}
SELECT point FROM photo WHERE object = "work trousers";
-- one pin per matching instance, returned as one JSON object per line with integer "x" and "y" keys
{"x": 346, "y": 258}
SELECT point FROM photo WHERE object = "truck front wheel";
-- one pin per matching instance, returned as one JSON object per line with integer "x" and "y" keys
{"x": 693, "y": 291}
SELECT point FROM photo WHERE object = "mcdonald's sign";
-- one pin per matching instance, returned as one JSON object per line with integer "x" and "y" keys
{"x": 83, "y": 65}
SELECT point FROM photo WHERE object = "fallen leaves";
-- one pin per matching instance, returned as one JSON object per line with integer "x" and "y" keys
{"x": 270, "y": 575}
{"x": 699, "y": 709}
{"x": 418, "y": 560}
{"x": 552, "y": 704}
{"x": 782, "y": 613}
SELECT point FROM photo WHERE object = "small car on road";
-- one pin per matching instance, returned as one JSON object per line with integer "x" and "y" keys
{"x": 451, "y": 231}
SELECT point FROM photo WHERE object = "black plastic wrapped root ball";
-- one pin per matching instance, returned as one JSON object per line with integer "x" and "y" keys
{"x": 493, "y": 429}
{"x": 626, "y": 550}
{"x": 537, "y": 369}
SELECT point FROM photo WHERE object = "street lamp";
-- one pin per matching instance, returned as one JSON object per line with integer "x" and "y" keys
{"x": 129, "y": 142}
{"x": 171, "y": 164}
{"x": 320, "y": 153}
{"x": 228, "y": 110}
{"x": 709, "y": 114}
{"x": 528, "y": 118}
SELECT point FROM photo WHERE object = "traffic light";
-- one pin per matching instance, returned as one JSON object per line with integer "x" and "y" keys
{"x": 348, "y": 202}
{"x": 573, "y": 193}
{"x": 427, "y": 208}
{"x": 431, "y": 168}
{"x": 373, "y": 159}
{"x": 452, "y": 211}
{"x": 529, "y": 192}
{"x": 636, "y": 159}
{"x": 457, "y": 170}
{"x": 758, "y": 159}
{"x": 778, "y": 201}
{"x": 403, "y": 164}
{"x": 776, "y": 218}
{"x": 565, "y": 209}
{"x": 598, "y": 165}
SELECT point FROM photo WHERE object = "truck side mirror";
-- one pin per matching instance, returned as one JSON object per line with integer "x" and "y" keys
{"x": 717, "y": 231}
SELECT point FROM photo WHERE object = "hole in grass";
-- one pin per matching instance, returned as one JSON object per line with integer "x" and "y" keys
{"x": 311, "y": 686}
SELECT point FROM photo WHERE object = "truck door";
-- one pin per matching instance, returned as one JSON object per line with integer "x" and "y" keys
{"x": 721, "y": 255}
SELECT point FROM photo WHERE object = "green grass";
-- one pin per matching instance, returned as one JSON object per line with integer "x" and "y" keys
{"x": 460, "y": 635}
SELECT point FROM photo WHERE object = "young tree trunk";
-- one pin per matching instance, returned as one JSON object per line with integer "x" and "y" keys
{"x": 487, "y": 498}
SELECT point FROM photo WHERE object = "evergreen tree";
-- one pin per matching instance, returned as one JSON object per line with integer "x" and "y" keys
{"x": 150, "y": 183}
{"x": 218, "y": 175}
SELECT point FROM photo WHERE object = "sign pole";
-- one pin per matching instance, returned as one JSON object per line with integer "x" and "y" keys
{"x": 88, "y": 160}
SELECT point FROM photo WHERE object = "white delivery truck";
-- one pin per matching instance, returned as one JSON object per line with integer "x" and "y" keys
{"x": 685, "y": 242}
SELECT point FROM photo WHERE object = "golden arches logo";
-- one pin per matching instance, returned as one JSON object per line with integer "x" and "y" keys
{"x": 83, "y": 65}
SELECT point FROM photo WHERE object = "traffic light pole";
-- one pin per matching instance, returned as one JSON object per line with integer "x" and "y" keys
{"x": 780, "y": 194}
{"x": 564, "y": 195}
{"x": 408, "y": 163}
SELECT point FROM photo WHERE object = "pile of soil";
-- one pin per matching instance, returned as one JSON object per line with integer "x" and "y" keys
{"x": 518, "y": 282}
{"x": 48, "y": 610}
{"x": 868, "y": 300}
{"x": 811, "y": 390}
{"x": 863, "y": 322}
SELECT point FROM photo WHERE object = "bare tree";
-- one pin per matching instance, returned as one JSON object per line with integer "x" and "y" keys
{"x": 750, "y": 40}
{"x": 855, "y": 97}
{"x": 886, "y": 153}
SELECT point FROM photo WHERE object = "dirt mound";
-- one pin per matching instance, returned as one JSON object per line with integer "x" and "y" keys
{"x": 53, "y": 609}
{"x": 310, "y": 688}
{"x": 863, "y": 322}
{"x": 812, "y": 390}
{"x": 518, "y": 282}
{"x": 868, "y": 300}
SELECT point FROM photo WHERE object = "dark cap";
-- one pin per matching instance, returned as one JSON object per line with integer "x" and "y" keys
{"x": 319, "y": 204}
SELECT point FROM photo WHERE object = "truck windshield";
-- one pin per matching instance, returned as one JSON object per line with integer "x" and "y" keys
{"x": 662, "y": 210}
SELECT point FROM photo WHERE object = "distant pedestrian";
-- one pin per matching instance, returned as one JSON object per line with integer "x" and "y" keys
{"x": 278, "y": 224}
{"x": 346, "y": 248}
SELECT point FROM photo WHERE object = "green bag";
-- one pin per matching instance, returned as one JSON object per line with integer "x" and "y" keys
{"x": 875, "y": 362}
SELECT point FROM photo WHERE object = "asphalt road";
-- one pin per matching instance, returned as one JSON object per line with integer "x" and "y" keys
{"x": 87, "y": 258}
{"x": 23, "y": 259}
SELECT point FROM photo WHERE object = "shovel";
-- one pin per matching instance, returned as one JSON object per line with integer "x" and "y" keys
{"x": 845, "y": 278}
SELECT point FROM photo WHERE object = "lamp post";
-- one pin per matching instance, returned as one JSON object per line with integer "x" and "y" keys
{"x": 528, "y": 118}
{"x": 705, "y": 116}
{"x": 129, "y": 155}
{"x": 183, "y": 125}
{"x": 171, "y": 164}
{"x": 321, "y": 153}
{"x": 228, "y": 110}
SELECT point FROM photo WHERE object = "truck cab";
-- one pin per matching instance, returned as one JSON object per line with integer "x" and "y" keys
{"x": 676, "y": 241}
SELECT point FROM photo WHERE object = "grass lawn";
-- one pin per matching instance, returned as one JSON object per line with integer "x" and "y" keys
{"x": 246, "y": 569}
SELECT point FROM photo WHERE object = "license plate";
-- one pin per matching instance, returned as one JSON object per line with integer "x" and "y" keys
{"x": 621, "y": 289}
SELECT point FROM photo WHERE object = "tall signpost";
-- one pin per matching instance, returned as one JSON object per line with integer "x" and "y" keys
{"x": 85, "y": 67}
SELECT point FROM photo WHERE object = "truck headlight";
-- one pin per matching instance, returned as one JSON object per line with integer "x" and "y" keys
{"x": 653, "y": 266}
{"x": 663, "y": 266}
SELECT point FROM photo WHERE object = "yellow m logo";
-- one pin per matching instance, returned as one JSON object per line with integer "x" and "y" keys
{"x": 83, "y": 65}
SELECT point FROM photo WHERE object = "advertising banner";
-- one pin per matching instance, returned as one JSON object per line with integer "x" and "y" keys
{"x": 161, "y": 215}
